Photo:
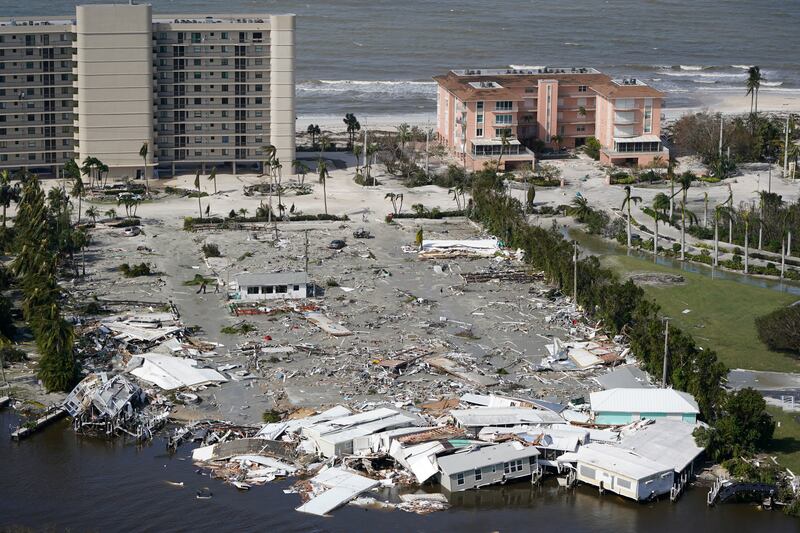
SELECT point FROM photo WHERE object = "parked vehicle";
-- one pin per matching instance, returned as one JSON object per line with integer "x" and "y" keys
{"x": 337, "y": 244}
{"x": 362, "y": 233}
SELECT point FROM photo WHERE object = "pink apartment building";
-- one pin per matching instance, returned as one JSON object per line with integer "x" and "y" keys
{"x": 475, "y": 107}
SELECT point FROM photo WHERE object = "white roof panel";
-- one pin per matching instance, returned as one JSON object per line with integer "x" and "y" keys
{"x": 643, "y": 401}
{"x": 485, "y": 456}
{"x": 669, "y": 442}
{"x": 614, "y": 459}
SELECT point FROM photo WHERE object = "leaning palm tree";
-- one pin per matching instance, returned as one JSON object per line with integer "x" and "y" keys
{"x": 197, "y": 186}
{"x": 753, "y": 84}
{"x": 659, "y": 207}
{"x": 627, "y": 203}
{"x": 213, "y": 177}
{"x": 143, "y": 155}
{"x": 505, "y": 142}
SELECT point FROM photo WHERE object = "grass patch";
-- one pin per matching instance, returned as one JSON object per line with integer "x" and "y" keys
{"x": 271, "y": 416}
{"x": 240, "y": 329}
{"x": 785, "y": 443}
{"x": 245, "y": 256}
{"x": 722, "y": 315}
{"x": 199, "y": 279}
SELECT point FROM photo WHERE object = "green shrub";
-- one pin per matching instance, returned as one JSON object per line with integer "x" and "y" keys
{"x": 211, "y": 250}
{"x": 592, "y": 148}
{"x": 12, "y": 354}
{"x": 271, "y": 416}
{"x": 239, "y": 329}
{"x": 135, "y": 271}
{"x": 780, "y": 329}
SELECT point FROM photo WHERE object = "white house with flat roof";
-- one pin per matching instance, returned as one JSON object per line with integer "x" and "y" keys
{"x": 621, "y": 471}
{"x": 271, "y": 286}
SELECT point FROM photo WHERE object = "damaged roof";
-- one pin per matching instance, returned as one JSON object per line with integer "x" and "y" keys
{"x": 643, "y": 401}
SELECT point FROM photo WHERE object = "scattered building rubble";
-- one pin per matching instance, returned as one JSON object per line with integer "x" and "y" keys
{"x": 110, "y": 406}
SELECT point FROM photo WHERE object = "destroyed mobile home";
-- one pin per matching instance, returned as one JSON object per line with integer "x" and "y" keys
{"x": 342, "y": 456}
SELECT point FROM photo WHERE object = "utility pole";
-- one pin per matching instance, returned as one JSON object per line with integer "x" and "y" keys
{"x": 721, "y": 120}
{"x": 575, "y": 274}
{"x": 666, "y": 353}
{"x": 365, "y": 147}
{"x": 427, "y": 141}
{"x": 786, "y": 149}
{"x": 306, "y": 253}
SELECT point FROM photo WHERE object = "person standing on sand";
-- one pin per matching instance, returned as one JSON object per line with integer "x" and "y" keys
{"x": 216, "y": 287}
{"x": 202, "y": 288}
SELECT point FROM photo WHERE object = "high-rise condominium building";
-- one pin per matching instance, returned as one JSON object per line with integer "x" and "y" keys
{"x": 200, "y": 90}
{"x": 483, "y": 113}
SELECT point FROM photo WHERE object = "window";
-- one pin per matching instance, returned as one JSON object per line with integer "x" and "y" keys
{"x": 295, "y": 287}
{"x": 31, "y": 131}
{"x": 225, "y": 139}
{"x": 648, "y": 115}
{"x": 479, "y": 132}
{"x": 224, "y": 36}
{"x": 479, "y": 106}
{"x": 252, "y": 290}
{"x": 259, "y": 101}
{"x": 259, "y": 88}
{"x": 512, "y": 466}
{"x": 499, "y": 132}
{"x": 198, "y": 153}
{"x": 587, "y": 472}
{"x": 460, "y": 478}
{"x": 281, "y": 289}
{"x": 502, "y": 105}
{"x": 197, "y": 62}
{"x": 259, "y": 127}
{"x": 624, "y": 483}
{"x": 503, "y": 119}
{"x": 267, "y": 289}
{"x": 198, "y": 140}
{"x": 198, "y": 88}
{"x": 197, "y": 76}
{"x": 479, "y": 118}
{"x": 259, "y": 61}
{"x": 258, "y": 113}
{"x": 198, "y": 114}
{"x": 478, "y": 475}
{"x": 582, "y": 88}
{"x": 225, "y": 77}
{"x": 196, "y": 37}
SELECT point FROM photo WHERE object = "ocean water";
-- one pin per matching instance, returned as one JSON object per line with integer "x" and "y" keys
{"x": 376, "y": 57}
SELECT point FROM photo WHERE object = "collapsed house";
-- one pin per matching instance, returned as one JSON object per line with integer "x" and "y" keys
{"x": 110, "y": 406}
{"x": 170, "y": 373}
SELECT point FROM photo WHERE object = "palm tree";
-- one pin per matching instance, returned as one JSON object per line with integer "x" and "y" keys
{"x": 92, "y": 212}
{"x": 197, "y": 186}
{"x": 243, "y": 212}
{"x": 88, "y": 167}
{"x": 505, "y": 142}
{"x": 78, "y": 191}
{"x": 392, "y": 197}
{"x": 579, "y": 208}
{"x": 358, "y": 150}
{"x": 659, "y": 207}
{"x": 353, "y": 126}
{"x": 269, "y": 152}
{"x": 671, "y": 177}
{"x": 372, "y": 149}
{"x": 213, "y": 177}
{"x": 143, "y": 155}
{"x": 313, "y": 130}
{"x": 627, "y": 203}
{"x": 8, "y": 193}
{"x": 71, "y": 172}
{"x": 530, "y": 196}
{"x": 581, "y": 111}
{"x": 403, "y": 135}
{"x": 102, "y": 170}
{"x": 685, "y": 181}
{"x": 111, "y": 213}
{"x": 753, "y": 84}
{"x": 557, "y": 140}
{"x": 323, "y": 178}
{"x": 705, "y": 209}
{"x": 302, "y": 169}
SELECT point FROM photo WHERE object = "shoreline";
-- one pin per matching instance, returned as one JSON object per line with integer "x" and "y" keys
{"x": 727, "y": 102}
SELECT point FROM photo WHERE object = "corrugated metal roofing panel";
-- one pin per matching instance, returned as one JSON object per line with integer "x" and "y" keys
{"x": 643, "y": 401}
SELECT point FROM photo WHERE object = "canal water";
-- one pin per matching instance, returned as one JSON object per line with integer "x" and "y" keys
{"x": 59, "y": 481}
{"x": 600, "y": 247}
